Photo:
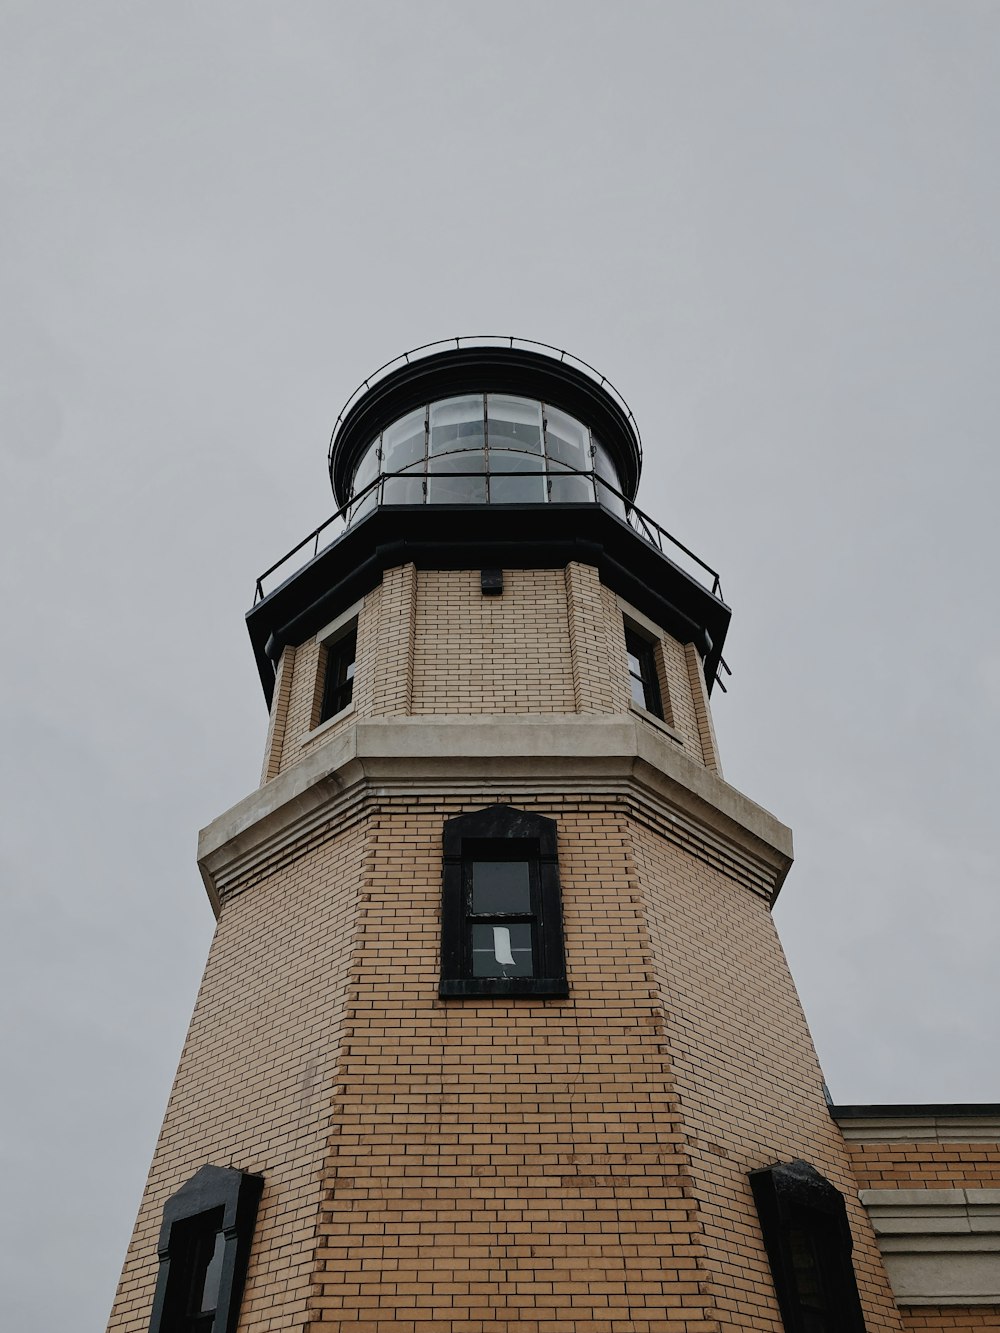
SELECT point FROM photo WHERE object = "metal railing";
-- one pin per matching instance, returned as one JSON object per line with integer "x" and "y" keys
{"x": 647, "y": 528}
{"x": 484, "y": 340}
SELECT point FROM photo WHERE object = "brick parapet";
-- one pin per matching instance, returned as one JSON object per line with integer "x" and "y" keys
{"x": 951, "y": 1319}
{"x": 926, "y": 1165}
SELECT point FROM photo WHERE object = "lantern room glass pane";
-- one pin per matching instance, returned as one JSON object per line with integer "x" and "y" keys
{"x": 367, "y": 469}
{"x": 445, "y": 489}
{"x": 403, "y": 441}
{"x": 514, "y": 423}
{"x": 515, "y": 490}
{"x": 457, "y": 423}
{"x": 569, "y": 489}
{"x": 605, "y": 470}
{"x": 567, "y": 440}
{"x": 405, "y": 490}
{"x": 365, "y": 505}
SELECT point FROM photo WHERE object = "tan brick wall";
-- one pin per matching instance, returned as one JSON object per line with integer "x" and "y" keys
{"x": 303, "y": 688}
{"x": 304, "y": 699}
{"x": 597, "y": 644}
{"x": 746, "y": 1075}
{"x": 507, "y": 1163}
{"x": 914, "y": 1166}
{"x": 255, "y": 1079}
{"x": 507, "y": 654}
{"x": 568, "y": 1166}
{"x": 391, "y": 675}
{"x": 429, "y": 642}
{"x": 278, "y": 720}
{"x": 702, "y": 708}
{"x": 951, "y": 1318}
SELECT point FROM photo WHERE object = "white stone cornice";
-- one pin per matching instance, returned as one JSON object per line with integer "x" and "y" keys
{"x": 940, "y": 1246}
{"x": 916, "y": 1128}
{"x": 574, "y": 754}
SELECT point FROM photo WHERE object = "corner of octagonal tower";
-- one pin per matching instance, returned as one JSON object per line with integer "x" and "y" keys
{"x": 495, "y": 1008}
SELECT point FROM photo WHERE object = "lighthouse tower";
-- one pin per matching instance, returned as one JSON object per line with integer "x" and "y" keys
{"x": 495, "y": 1030}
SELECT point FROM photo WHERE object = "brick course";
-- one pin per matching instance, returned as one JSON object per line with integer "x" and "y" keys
{"x": 914, "y": 1166}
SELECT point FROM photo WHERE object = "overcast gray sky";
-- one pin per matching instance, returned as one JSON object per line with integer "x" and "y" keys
{"x": 773, "y": 225}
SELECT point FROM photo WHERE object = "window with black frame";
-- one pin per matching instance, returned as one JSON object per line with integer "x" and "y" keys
{"x": 643, "y": 679}
{"x": 204, "y": 1250}
{"x": 501, "y": 930}
{"x": 198, "y": 1247}
{"x": 338, "y": 683}
{"x": 807, "y": 1237}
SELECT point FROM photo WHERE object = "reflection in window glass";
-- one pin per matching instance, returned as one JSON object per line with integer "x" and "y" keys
{"x": 605, "y": 470}
{"x": 569, "y": 489}
{"x": 502, "y": 951}
{"x": 367, "y": 469}
{"x": 499, "y": 887}
{"x": 514, "y": 423}
{"x": 403, "y": 442}
{"x": 457, "y": 423}
{"x": 365, "y": 505}
{"x": 213, "y": 1275}
{"x": 405, "y": 490}
{"x": 495, "y": 433}
{"x": 567, "y": 440}
{"x": 515, "y": 490}
{"x": 444, "y": 489}
{"x": 338, "y": 687}
{"x": 609, "y": 500}
{"x": 642, "y": 672}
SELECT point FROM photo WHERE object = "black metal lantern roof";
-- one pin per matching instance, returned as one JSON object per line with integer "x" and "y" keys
{"x": 482, "y": 365}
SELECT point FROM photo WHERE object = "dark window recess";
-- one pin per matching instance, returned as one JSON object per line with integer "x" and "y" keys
{"x": 501, "y": 927}
{"x": 338, "y": 686}
{"x": 808, "y": 1241}
{"x": 204, "y": 1249}
{"x": 642, "y": 672}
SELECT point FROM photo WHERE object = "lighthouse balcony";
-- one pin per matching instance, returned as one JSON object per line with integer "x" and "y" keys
{"x": 486, "y": 457}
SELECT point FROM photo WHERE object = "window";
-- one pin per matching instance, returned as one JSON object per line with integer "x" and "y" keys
{"x": 338, "y": 684}
{"x": 501, "y": 928}
{"x": 204, "y": 1249}
{"x": 642, "y": 671}
{"x": 808, "y": 1241}
{"x": 199, "y": 1247}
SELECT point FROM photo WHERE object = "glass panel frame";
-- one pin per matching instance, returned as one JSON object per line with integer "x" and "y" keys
{"x": 408, "y": 489}
{"x": 642, "y": 670}
{"x": 443, "y": 487}
{"x": 514, "y": 423}
{"x": 405, "y": 441}
{"x": 567, "y": 440}
{"x": 458, "y": 435}
{"x": 565, "y": 487}
{"x": 456, "y": 424}
{"x": 506, "y": 489}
